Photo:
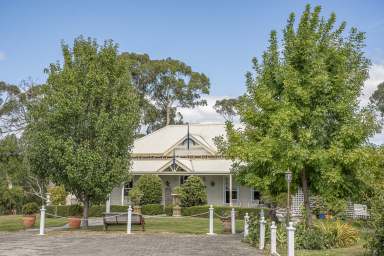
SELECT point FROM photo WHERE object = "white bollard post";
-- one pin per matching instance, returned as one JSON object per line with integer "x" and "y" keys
{"x": 246, "y": 225}
{"x": 233, "y": 221}
{"x": 108, "y": 204}
{"x": 42, "y": 221}
{"x": 129, "y": 220}
{"x": 262, "y": 233}
{"x": 211, "y": 220}
{"x": 291, "y": 239}
{"x": 273, "y": 238}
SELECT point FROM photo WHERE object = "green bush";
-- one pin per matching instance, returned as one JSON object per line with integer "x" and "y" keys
{"x": 96, "y": 211}
{"x": 11, "y": 199}
{"x": 326, "y": 235}
{"x": 221, "y": 210}
{"x": 135, "y": 195}
{"x": 30, "y": 208}
{"x": 168, "y": 210}
{"x": 151, "y": 187}
{"x": 193, "y": 192}
{"x": 152, "y": 209}
{"x": 75, "y": 210}
{"x": 376, "y": 239}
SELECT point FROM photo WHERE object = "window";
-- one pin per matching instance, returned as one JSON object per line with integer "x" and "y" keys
{"x": 127, "y": 187}
{"x": 235, "y": 192}
{"x": 191, "y": 142}
{"x": 183, "y": 179}
{"x": 255, "y": 195}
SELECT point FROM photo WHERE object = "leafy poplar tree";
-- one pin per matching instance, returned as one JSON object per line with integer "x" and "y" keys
{"x": 81, "y": 132}
{"x": 301, "y": 111}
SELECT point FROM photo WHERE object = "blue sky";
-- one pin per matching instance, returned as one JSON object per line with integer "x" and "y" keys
{"x": 218, "y": 38}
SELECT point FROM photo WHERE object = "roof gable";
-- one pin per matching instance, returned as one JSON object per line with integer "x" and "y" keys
{"x": 162, "y": 141}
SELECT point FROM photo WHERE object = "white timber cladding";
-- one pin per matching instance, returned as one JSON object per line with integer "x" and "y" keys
{"x": 175, "y": 152}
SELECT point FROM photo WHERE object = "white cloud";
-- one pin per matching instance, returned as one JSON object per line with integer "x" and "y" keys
{"x": 203, "y": 114}
{"x": 2, "y": 55}
{"x": 376, "y": 76}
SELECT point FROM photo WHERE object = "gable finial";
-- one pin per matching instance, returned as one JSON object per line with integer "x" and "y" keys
{"x": 188, "y": 136}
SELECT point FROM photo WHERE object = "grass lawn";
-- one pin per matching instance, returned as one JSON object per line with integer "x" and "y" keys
{"x": 191, "y": 225}
{"x": 14, "y": 222}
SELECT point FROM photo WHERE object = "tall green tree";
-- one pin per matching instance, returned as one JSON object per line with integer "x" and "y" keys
{"x": 81, "y": 132}
{"x": 165, "y": 85}
{"x": 177, "y": 85}
{"x": 301, "y": 111}
{"x": 377, "y": 98}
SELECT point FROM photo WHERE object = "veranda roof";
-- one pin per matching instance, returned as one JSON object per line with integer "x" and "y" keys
{"x": 185, "y": 166}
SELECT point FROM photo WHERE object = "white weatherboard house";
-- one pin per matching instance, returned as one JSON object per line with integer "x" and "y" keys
{"x": 175, "y": 152}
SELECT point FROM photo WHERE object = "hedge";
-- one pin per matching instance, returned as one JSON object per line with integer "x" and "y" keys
{"x": 157, "y": 209}
{"x": 223, "y": 210}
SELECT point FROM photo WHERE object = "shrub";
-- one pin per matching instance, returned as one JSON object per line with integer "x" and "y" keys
{"x": 376, "y": 239}
{"x": 151, "y": 187}
{"x": 58, "y": 195}
{"x": 193, "y": 192}
{"x": 11, "y": 199}
{"x": 30, "y": 208}
{"x": 135, "y": 195}
{"x": 75, "y": 210}
{"x": 326, "y": 235}
{"x": 152, "y": 209}
{"x": 221, "y": 210}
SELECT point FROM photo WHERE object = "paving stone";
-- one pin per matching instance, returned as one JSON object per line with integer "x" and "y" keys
{"x": 63, "y": 243}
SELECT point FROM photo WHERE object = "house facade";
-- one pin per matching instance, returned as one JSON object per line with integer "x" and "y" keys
{"x": 176, "y": 152}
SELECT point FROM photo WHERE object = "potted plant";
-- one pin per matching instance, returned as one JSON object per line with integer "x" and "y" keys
{"x": 135, "y": 196}
{"x": 29, "y": 214}
{"x": 74, "y": 218}
{"x": 226, "y": 220}
{"x": 176, "y": 209}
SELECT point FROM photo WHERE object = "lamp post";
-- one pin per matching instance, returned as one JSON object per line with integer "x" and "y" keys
{"x": 288, "y": 178}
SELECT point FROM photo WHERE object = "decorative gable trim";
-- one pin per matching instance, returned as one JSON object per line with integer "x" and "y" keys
{"x": 196, "y": 139}
{"x": 178, "y": 164}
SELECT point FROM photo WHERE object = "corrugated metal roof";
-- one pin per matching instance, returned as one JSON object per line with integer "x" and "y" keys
{"x": 162, "y": 140}
{"x": 197, "y": 166}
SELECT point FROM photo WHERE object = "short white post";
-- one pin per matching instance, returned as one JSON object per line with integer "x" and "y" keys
{"x": 129, "y": 219}
{"x": 246, "y": 224}
{"x": 233, "y": 221}
{"x": 291, "y": 239}
{"x": 211, "y": 220}
{"x": 273, "y": 238}
{"x": 42, "y": 221}
{"x": 262, "y": 233}
{"x": 108, "y": 204}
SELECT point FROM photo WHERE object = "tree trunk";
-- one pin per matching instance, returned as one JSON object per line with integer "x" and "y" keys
{"x": 168, "y": 114}
{"x": 304, "y": 184}
{"x": 85, "y": 212}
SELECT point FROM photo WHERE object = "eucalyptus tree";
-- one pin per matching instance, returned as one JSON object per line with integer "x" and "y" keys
{"x": 377, "y": 98}
{"x": 81, "y": 132}
{"x": 301, "y": 111}
{"x": 177, "y": 85}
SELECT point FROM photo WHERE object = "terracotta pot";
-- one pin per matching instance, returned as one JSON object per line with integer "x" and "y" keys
{"x": 29, "y": 221}
{"x": 137, "y": 209}
{"x": 227, "y": 227}
{"x": 74, "y": 222}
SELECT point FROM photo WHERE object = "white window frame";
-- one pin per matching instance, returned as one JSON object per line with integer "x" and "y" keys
{"x": 252, "y": 196}
{"x": 234, "y": 188}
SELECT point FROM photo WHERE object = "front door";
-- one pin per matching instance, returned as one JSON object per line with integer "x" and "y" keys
{"x": 167, "y": 195}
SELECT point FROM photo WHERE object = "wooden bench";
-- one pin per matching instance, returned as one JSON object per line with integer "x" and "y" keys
{"x": 120, "y": 218}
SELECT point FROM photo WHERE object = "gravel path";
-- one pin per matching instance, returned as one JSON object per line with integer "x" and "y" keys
{"x": 117, "y": 243}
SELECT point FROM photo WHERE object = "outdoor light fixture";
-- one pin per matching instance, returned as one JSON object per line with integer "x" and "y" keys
{"x": 212, "y": 183}
{"x": 288, "y": 178}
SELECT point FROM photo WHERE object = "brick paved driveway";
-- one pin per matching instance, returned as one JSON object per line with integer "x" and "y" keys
{"x": 99, "y": 243}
